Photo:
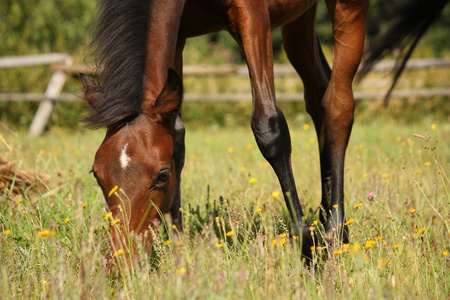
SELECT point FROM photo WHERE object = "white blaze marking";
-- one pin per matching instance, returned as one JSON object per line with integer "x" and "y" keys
{"x": 124, "y": 158}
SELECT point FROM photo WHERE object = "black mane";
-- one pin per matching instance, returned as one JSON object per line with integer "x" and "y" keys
{"x": 119, "y": 51}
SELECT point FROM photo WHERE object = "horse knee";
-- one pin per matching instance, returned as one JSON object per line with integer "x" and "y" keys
{"x": 272, "y": 134}
{"x": 339, "y": 110}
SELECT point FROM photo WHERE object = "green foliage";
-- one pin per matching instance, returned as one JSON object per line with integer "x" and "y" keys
{"x": 38, "y": 26}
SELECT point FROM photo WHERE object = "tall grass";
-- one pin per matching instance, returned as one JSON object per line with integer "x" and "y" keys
{"x": 237, "y": 242}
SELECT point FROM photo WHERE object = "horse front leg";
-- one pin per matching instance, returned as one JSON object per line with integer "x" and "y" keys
{"x": 179, "y": 144}
{"x": 250, "y": 26}
{"x": 348, "y": 18}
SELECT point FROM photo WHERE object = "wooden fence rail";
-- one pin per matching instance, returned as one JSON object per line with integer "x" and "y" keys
{"x": 61, "y": 64}
{"x": 54, "y": 87}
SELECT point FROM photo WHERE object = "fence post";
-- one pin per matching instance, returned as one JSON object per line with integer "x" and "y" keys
{"x": 53, "y": 91}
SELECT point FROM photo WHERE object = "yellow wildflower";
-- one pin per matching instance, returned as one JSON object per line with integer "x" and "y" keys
{"x": 20, "y": 200}
{"x": 427, "y": 164}
{"x": 118, "y": 252}
{"x": 349, "y": 222}
{"x": 108, "y": 215}
{"x": 433, "y": 127}
{"x": 167, "y": 242}
{"x": 115, "y": 222}
{"x": 356, "y": 248}
{"x": 282, "y": 242}
{"x": 283, "y": 235}
{"x": 417, "y": 172}
{"x": 345, "y": 247}
{"x": 357, "y": 205}
{"x": 335, "y": 206}
{"x": 252, "y": 181}
{"x": 412, "y": 211}
{"x": 305, "y": 127}
{"x": 385, "y": 175}
{"x": 396, "y": 246}
{"x": 365, "y": 175}
{"x": 249, "y": 146}
{"x": 84, "y": 205}
{"x": 274, "y": 242}
{"x": 243, "y": 169}
{"x": 314, "y": 223}
{"x": 379, "y": 238}
{"x": 181, "y": 271}
{"x": 294, "y": 237}
{"x": 276, "y": 194}
{"x": 444, "y": 253}
{"x": 337, "y": 252}
{"x": 66, "y": 220}
{"x": 44, "y": 232}
{"x": 259, "y": 210}
{"x": 230, "y": 150}
{"x": 421, "y": 230}
{"x": 220, "y": 245}
{"x": 112, "y": 191}
{"x": 230, "y": 233}
{"x": 6, "y": 232}
{"x": 368, "y": 245}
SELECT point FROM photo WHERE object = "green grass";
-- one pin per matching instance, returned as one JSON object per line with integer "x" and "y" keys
{"x": 384, "y": 157}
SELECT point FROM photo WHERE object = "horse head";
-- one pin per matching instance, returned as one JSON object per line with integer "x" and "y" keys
{"x": 134, "y": 165}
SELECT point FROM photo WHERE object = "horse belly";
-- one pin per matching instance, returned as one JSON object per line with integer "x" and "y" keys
{"x": 285, "y": 11}
{"x": 201, "y": 17}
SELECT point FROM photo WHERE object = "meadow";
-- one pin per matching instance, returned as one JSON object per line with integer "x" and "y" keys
{"x": 236, "y": 242}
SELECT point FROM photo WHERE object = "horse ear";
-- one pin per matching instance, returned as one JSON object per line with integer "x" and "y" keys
{"x": 91, "y": 90}
{"x": 169, "y": 100}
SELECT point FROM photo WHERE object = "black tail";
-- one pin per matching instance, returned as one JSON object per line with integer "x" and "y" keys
{"x": 119, "y": 50}
{"x": 411, "y": 18}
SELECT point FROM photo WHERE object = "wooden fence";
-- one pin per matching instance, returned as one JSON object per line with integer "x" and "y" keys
{"x": 54, "y": 87}
{"x": 61, "y": 65}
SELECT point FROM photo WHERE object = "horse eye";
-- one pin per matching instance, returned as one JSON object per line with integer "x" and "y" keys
{"x": 95, "y": 176}
{"x": 162, "y": 177}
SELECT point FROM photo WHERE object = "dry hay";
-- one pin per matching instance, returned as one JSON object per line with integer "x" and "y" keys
{"x": 20, "y": 181}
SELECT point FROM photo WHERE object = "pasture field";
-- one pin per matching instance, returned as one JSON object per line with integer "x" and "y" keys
{"x": 237, "y": 243}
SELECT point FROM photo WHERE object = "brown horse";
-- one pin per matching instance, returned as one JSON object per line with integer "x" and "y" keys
{"x": 139, "y": 44}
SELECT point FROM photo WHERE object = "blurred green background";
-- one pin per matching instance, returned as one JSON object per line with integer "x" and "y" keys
{"x": 44, "y": 26}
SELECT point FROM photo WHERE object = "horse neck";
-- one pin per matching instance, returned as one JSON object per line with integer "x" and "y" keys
{"x": 161, "y": 41}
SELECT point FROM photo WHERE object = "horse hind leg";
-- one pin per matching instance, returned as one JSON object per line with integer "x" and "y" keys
{"x": 305, "y": 54}
{"x": 348, "y": 18}
{"x": 329, "y": 101}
